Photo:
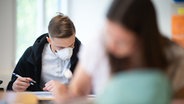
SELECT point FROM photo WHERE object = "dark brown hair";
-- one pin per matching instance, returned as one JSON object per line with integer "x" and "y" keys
{"x": 139, "y": 16}
{"x": 61, "y": 26}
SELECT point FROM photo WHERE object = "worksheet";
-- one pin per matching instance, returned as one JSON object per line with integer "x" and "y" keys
{"x": 43, "y": 95}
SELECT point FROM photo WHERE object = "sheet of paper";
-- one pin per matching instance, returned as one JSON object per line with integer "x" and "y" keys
{"x": 42, "y": 95}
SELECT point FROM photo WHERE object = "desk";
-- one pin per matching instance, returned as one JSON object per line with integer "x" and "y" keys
{"x": 23, "y": 98}
{"x": 37, "y": 98}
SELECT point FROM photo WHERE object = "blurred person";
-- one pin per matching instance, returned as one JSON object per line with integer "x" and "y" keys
{"x": 131, "y": 41}
{"x": 53, "y": 57}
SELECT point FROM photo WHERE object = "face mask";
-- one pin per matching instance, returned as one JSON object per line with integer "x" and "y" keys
{"x": 65, "y": 53}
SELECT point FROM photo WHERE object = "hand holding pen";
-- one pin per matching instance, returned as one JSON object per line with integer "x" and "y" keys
{"x": 22, "y": 83}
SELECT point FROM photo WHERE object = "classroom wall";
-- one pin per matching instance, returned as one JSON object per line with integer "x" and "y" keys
{"x": 164, "y": 12}
{"x": 88, "y": 16}
{"x": 7, "y": 37}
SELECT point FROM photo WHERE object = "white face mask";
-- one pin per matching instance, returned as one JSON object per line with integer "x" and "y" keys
{"x": 65, "y": 53}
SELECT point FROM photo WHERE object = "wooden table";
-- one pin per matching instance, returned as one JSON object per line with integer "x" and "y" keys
{"x": 23, "y": 98}
{"x": 37, "y": 98}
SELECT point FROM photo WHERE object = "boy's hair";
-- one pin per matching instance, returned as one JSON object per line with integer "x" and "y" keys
{"x": 61, "y": 26}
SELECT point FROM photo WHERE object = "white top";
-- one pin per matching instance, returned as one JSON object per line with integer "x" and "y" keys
{"x": 95, "y": 62}
{"x": 52, "y": 67}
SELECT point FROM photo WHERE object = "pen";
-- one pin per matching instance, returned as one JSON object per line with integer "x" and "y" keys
{"x": 31, "y": 82}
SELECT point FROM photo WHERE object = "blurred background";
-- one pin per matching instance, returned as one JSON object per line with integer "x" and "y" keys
{"x": 22, "y": 21}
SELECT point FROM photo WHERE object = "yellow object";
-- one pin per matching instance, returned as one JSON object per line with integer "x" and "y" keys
{"x": 21, "y": 98}
{"x": 181, "y": 11}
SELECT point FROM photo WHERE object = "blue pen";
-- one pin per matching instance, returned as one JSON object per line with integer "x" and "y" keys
{"x": 31, "y": 82}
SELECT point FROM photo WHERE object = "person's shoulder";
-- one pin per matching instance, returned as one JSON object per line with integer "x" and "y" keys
{"x": 77, "y": 40}
{"x": 41, "y": 38}
{"x": 40, "y": 42}
{"x": 36, "y": 49}
{"x": 176, "y": 51}
{"x": 176, "y": 66}
{"x": 77, "y": 44}
{"x": 27, "y": 53}
{"x": 94, "y": 47}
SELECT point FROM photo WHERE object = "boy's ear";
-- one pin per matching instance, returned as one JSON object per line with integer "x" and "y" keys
{"x": 48, "y": 39}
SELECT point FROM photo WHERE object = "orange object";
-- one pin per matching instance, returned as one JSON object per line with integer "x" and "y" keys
{"x": 178, "y": 29}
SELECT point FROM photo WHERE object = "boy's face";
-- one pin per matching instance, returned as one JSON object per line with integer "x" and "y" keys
{"x": 61, "y": 43}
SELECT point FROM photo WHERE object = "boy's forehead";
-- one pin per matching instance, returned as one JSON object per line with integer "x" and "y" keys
{"x": 64, "y": 41}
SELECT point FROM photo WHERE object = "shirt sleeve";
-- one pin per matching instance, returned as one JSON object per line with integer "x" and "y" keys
{"x": 20, "y": 68}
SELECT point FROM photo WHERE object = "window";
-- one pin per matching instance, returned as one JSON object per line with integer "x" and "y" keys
{"x": 32, "y": 18}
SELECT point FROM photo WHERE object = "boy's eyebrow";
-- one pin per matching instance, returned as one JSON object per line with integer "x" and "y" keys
{"x": 65, "y": 47}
